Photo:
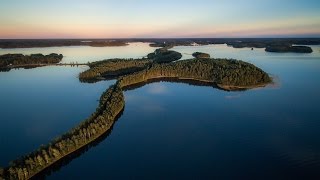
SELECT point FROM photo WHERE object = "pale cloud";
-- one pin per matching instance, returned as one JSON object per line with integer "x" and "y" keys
{"x": 157, "y": 88}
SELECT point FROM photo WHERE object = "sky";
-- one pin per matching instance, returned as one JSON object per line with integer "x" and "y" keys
{"x": 36, "y": 19}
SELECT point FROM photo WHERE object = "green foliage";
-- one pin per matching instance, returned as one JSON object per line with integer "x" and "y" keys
{"x": 163, "y": 55}
{"x": 20, "y": 59}
{"x": 296, "y": 49}
{"x": 219, "y": 71}
{"x": 200, "y": 55}
{"x": 113, "y": 68}
{"x": 110, "y": 105}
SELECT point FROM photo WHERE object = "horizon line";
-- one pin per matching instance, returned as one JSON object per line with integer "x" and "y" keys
{"x": 132, "y": 38}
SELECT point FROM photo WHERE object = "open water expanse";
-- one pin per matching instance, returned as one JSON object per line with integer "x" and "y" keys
{"x": 168, "y": 129}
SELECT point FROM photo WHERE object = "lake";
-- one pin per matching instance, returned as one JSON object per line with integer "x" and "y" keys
{"x": 171, "y": 130}
{"x": 84, "y": 54}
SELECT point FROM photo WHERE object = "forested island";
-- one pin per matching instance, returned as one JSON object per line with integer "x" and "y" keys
{"x": 297, "y": 45}
{"x": 280, "y": 45}
{"x": 294, "y": 49}
{"x": 9, "y": 61}
{"x": 201, "y": 55}
{"x": 277, "y": 45}
{"x": 227, "y": 74}
{"x": 163, "y": 55}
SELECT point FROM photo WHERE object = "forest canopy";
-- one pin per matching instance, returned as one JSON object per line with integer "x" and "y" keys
{"x": 295, "y": 49}
{"x": 8, "y": 60}
{"x": 163, "y": 55}
{"x": 201, "y": 55}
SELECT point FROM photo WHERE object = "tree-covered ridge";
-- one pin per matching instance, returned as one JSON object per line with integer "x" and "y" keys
{"x": 110, "y": 105}
{"x": 295, "y": 49}
{"x": 113, "y": 68}
{"x": 163, "y": 55}
{"x": 226, "y": 73}
{"x": 201, "y": 55}
{"x": 8, "y": 60}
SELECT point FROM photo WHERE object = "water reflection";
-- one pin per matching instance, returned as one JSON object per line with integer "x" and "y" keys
{"x": 40, "y": 104}
{"x": 176, "y": 80}
{"x": 263, "y": 134}
{"x": 69, "y": 158}
{"x": 233, "y": 96}
{"x": 84, "y": 54}
{"x": 157, "y": 89}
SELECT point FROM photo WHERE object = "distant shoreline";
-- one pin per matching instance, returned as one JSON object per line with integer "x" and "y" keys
{"x": 279, "y": 45}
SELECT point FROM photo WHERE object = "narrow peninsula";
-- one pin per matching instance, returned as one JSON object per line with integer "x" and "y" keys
{"x": 110, "y": 105}
{"x": 227, "y": 74}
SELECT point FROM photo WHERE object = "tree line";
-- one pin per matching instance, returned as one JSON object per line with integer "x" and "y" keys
{"x": 226, "y": 72}
{"x": 8, "y": 60}
{"x": 110, "y": 105}
{"x": 289, "y": 48}
{"x": 163, "y": 55}
{"x": 201, "y": 55}
{"x": 113, "y": 68}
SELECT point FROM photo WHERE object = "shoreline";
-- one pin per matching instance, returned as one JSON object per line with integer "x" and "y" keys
{"x": 111, "y": 104}
{"x": 224, "y": 87}
{"x": 95, "y": 138}
{"x": 43, "y": 65}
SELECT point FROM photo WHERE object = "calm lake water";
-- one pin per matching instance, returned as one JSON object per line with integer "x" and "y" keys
{"x": 84, "y": 54}
{"x": 173, "y": 130}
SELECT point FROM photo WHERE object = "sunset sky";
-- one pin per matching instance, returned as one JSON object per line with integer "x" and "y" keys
{"x": 164, "y": 18}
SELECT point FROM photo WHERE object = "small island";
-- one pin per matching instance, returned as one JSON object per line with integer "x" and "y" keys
{"x": 163, "y": 55}
{"x": 200, "y": 55}
{"x": 276, "y": 45}
{"x": 294, "y": 49}
{"x": 9, "y": 61}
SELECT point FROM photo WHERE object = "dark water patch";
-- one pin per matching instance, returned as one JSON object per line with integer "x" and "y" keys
{"x": 68, "y": 159}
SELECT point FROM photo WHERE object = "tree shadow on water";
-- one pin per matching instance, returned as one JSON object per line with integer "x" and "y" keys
{"x": 67, "y": 159}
